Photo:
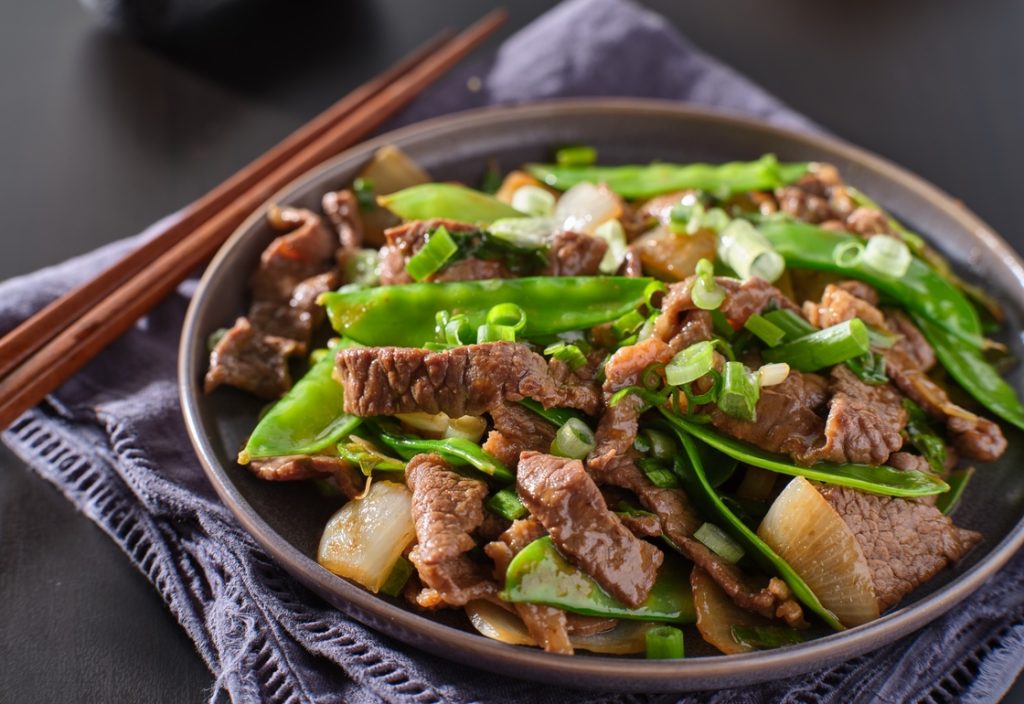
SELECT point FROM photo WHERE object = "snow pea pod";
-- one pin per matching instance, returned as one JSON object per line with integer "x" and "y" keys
{"x": 307, "y": 419}
{"x": 404, "y": 316}
{"x": 648, "y": 180}
{"x": 458, "y": 451}
{"x": 969, "y": 368}
{"x": 691, "y": 471}
{"x": 878, "y": 480}
{"x": 447, "y": 200}
{"x": 920, "y": 290}
{"x": 540, "y": 575}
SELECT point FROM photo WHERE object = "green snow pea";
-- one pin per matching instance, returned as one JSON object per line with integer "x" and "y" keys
{"x": 647, "y": 180}
{"x": 691, "y": 471}
{"x": 447, "y": 200}
{"x": 540, "y": 575}
{"x": 878, "y": 480}
{"x": 405, "y": 315}
{"x": 969, "y": 368}
{"x": 458, "y": 451}
{"x": 307, "y": 419}
{"x": 920, "y": 290}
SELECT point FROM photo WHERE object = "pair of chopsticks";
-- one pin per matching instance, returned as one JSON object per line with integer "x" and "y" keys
{"x": 48, "y": 348}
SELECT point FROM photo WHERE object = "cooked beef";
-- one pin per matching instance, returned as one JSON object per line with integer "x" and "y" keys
{"x": 297, "y": 319}
{"x": 342, "y": 209}
{"x": 249, "y": 360}
{"x": 787, "y": 416}
{"x": 868, "y": 221}
{"x": 517, "y": 429}
{"x": 912, "y": 341}
{"x": 589, "y": 625}
{"x": 642, "y": 525}
{"x": 563, "y": 497}
{"x": 907, "y": 461}
{"x": 472, "y": 269}
{"x": 742, "y": 299}
{"x": 864, "y": 422}
{"x": 972, "y": 435}
{"x": 348, "y": 478}
{"x": 574, "y": 254}
{"x": 838, "y": 305}
{"x": 407, "y": 239}
{"x": 305, "y": 251}
{"x": 905, "y": 542}
{"x": 446, "y": 509}
{"x": 546, "y": 624}
{"x": 462, "y": 381}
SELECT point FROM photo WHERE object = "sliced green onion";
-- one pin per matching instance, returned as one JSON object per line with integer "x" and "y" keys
{"x": 580, "y": 155}
{"x": 690, "y": 364}
{"x": 766, "y": 637}
{"x": 706, "y": 292}
{"x": 533, "y": 200}
{"x": 719, "y": 542}
{"x": 882, "y": 339}
{"x": 848, "y": 253}
{"x": 628, "y": 324}
{"x": 367, "y": 457}
{"x": 769, "y": 333}
{"x": 658, "y": 474}
{"x": 715, "y": 220}
{"x": 574, "y": 439}
{"x": 887, "y": 255}
{"x": 566, "y": 353}
{"x": 435, "y": 252}
{"x": 528, "y": 233}
{"x": 507, "y": 504}
{"x": 869, "y": 368}
{"x": 363, "y": 190}
{"x": 398, "y": 577}
{"x": 457, "y": 330}
{"x": 773, "y": 374}
{"x": 823, "y": 348}
{"x": 614, "y": 234}
{"x": 957, "y": 483}
{"x": 508, "y": 314}
{"x": 495, "y": 333}
{"x": 748, "y": 252}
{"x": 740, "y": 392}
{"x": 664, "y": 643}
{"x": 790, "y": 322}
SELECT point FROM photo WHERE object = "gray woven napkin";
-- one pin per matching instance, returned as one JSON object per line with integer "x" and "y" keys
{"x": 113, "y": 442}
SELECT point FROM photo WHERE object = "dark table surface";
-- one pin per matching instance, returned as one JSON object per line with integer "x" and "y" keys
{"x": 101, "y": 135}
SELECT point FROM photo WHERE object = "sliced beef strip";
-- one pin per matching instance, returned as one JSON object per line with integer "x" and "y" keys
{"x": 839, "y": 305}
{"x": 307, "y": 250}
{"x": 407, "y": 239}
{"x": 349, "y": 479}
{"x": 574, "y": 254}
{"x": 249, "y": 360}
{"x": 821, "y": 197}
{"x": 642, "y": 526}
{"x": 517, "y": 429}
{"x": 342, "y": 210}
{"x": 742, "y": 299}
{"x": 446, "y": 509}
{"x": 864, "y": 422}
{"x": 546, "y": 624}
{"x": 300, "y": 317}
{"x": 787, "y": 417}
{"x": 472, "y": 269}
{"x": 912, "y": 341}
{"x": 468, "y": 380}
{"x": 905, "y": 542}
{"x": 562, "y": 496}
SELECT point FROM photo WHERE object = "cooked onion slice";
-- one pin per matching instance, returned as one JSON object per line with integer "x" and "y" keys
{"x": 497, "y": 623}
{"x": 807, "y": 533}
{"x": 584, "y": 207}
{"x": 717, "y": 614}
{"x": 365, "y": 538}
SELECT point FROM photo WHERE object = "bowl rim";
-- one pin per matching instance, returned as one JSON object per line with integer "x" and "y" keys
{"x": 592, "y": 671}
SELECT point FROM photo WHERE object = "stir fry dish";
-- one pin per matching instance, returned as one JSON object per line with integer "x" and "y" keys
{"x": 593, "y": 406}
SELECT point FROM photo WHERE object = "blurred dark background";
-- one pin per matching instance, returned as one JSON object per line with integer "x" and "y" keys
{"x": 101, "y": 134}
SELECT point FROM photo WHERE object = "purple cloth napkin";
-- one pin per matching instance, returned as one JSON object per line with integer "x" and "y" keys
{"x": 112, "y": 440}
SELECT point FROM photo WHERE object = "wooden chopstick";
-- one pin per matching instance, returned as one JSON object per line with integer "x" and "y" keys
{"x": 105, "y": 321}
{"x": 33, "y": 333}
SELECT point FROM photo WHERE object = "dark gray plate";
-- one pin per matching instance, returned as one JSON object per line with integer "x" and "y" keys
{"x": 287, "y": 519}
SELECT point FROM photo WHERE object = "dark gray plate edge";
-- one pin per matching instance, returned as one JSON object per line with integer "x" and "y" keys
{"x": 594, "y": 671}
